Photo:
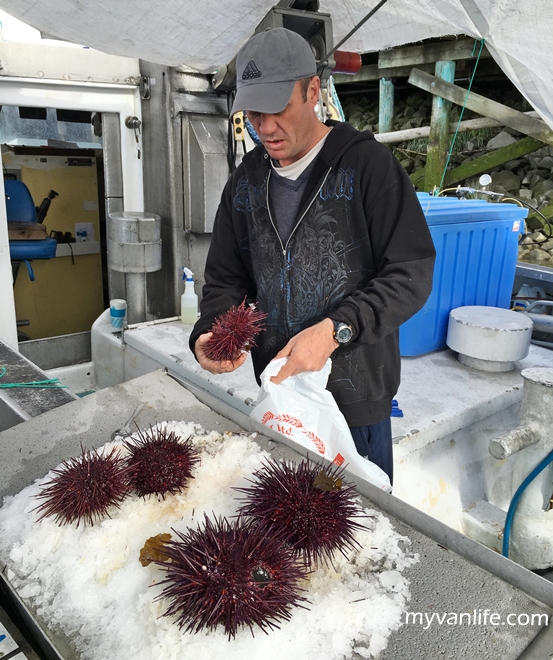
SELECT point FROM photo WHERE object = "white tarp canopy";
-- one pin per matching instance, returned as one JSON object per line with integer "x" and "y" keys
{"x": 205, "y": 34}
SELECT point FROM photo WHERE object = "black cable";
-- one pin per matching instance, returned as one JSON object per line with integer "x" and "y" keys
{"x": 527, "y": 233}
{"x": 355, "y": 28}
{"x": 231, "y": 143}
{"x": 503, "y": 198}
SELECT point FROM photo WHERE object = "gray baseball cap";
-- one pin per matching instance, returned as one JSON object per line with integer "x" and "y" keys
{"x": 267, "y": 68}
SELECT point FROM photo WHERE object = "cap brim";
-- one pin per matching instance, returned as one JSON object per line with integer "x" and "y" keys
{"x": 269, "y": 98}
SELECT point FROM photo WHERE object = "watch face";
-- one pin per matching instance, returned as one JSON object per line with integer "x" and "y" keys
{"x": 343, "y": 333}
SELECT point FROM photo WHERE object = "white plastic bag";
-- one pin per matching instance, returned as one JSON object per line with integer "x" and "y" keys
{"x": 303, "y": 410}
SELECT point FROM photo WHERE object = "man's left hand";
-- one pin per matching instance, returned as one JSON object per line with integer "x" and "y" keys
{"x": 307, "y": 351}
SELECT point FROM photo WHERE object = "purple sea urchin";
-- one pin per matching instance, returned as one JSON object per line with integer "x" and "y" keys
{"x": 233, "y": 332}
{"x": 232, "y": 574}
{"x": 85, "y": 488}
{"x": 307, "y": 504}
{"x": 161, "y": 463}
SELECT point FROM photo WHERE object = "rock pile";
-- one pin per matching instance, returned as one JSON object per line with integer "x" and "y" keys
{"x": 528, "y": 178}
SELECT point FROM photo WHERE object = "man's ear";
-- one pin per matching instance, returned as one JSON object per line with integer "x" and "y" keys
{"x": 313, "y": 90}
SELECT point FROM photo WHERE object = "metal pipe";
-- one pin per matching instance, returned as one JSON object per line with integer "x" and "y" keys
{"x": 516, "y": 497}
{"x": 72, "y": 83}
{"x": 135, "y": 285}
{"x": 536, "y": 411}
{"x": 509, "y": 443}
{"x": 113, "y": 174}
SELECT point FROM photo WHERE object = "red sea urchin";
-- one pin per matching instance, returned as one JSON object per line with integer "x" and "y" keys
{"x": 230, "y": 573}
{"x": 85, "y": 488}
{"x": 161, "y": 463}
{"x": 233, "y": 332}
{"x": 307, "y": 504}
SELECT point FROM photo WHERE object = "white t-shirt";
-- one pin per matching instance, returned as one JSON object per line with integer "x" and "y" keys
{"x": 295, "y": 169}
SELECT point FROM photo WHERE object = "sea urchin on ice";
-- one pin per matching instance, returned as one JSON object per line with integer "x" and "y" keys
{"x": 233, "y": 332}
{"x": 307, "y": 503}
{"x": 230, "y": 573}
{"x": 161, "y": 462}
{"x": 84, "y": 488}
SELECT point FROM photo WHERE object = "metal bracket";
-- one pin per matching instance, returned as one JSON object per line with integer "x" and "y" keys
{"x": 144, "y": 87}
{"x": 134, "y": 124}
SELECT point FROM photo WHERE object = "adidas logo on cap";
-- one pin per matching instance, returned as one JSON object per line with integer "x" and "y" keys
{"x": 251, "y": 71}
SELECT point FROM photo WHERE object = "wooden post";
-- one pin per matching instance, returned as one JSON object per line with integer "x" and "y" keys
{"x": 438, "y": 140}
{"x": 386, "y": 106}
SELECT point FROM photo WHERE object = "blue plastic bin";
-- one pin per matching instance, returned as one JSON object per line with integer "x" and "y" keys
{"x": 476, "y": 255}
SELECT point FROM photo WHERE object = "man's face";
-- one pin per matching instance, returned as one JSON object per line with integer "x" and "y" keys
{"x": 290, "y": 134}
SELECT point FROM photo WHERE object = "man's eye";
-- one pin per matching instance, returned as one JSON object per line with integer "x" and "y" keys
{"x": 252, "y": 115}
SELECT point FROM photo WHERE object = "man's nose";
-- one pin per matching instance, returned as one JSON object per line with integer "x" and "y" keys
{"x": 267, "y": 123}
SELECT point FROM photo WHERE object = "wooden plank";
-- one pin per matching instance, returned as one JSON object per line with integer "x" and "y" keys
{"x": 483, "y": 106}
{"x": 25, "y": 231}
{"x": 460, "y": 49}
{"x": 483, "y": 163}
{"x": 493, "y": 159}
{"x": 386, "y": 105}
{"x": 438, "y": 139}
{"x": 424, "y": 131}
{"x": 370, "y": 72}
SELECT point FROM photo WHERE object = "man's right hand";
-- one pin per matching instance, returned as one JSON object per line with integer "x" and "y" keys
{"x": 223, "y": 367}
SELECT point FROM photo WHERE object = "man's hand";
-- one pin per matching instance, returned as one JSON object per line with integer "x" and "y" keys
{"x": 307, "y": 351}
{"x": 223, "y": 367}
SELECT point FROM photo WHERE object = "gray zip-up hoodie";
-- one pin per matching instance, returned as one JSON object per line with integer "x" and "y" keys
{"x": 360, "y": 252}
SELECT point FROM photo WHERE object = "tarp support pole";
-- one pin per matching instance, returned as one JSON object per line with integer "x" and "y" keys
{"x": 438, "y": 140}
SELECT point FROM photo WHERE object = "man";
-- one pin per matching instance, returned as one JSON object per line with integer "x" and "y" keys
{"x": 321, "y": 227}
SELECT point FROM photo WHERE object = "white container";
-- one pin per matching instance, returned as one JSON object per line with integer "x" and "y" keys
{"x": 526, "y": 296}
{"x": 118, "y": 313}
{"x": 84, "y": 232}
{"x": 189, "y": 299}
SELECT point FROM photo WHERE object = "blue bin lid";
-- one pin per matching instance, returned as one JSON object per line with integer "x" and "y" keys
{"x": 448, "y": 210}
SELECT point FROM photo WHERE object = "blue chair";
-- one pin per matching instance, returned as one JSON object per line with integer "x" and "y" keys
{"x": 19, "y": 202}
{"x": 21, "y": 209}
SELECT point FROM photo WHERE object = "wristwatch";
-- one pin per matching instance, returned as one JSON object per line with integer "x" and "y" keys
{"x": 342, "y": 332}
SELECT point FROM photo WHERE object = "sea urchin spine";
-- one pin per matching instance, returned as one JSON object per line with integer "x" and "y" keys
{"x": 161, "y": 462}
{"x": 307, "y": 504}
{"x": 234, "y": 331}
{"x": 84, "y": 488}
{"x": 232, "y": 574}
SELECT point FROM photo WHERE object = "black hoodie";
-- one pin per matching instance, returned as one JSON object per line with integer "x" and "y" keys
{"x": 360, "y": 252}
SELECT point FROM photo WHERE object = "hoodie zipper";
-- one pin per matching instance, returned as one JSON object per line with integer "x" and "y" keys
{"x": 285, "y": 251}
{"x": 284, "y": 247}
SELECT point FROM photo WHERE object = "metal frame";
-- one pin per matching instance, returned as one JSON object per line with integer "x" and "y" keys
{"x": 121, "y": 100}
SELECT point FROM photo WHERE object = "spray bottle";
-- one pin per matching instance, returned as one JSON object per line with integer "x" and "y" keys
{"x": 189, "y": 299}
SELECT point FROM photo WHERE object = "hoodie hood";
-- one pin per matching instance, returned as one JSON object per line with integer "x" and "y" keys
{"x": 339, "y": 140}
